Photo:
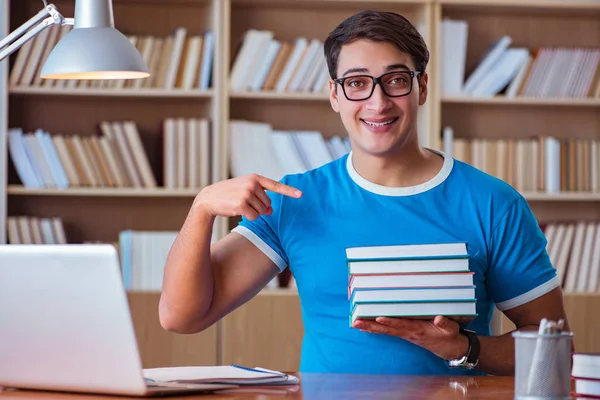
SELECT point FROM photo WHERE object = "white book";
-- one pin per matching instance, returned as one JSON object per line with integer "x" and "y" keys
{"x": 300, "y": 46}
{"x": 146, "y": 52}
{"x": 360, "y": 267}
{"x": 208, "y": 51}
{"x": 56, "y": 168}
{"x": 501, "y": 73}
{"x": 550, "y": 233}
{"x": 259, "y": 55}
{"x": 169, "y": 150}
{"x": 244, "y": 59}
{"x": 261, "y": 148}
{"x": 305, "y": 63}
{"x": 555, "y": 242}
{"x": 266, "y": 63}
{"x": 517, "y": 82}
{"x": 47, "y": 231}
{"x": 453, "y": 56}
{"x": 441, "y": 279}
{"x": 27, "y": 171}
{"x": 586, "y": 258}
{"x": 447, "y": 140}
{"x": 193, "y": 154}
{"x": 286, "y": 153}
{"x": 191, "y": 62}
{"x": 489, "y": 59}
{"x": 366, "y": 295}
{"x": 339, "y": 146}
{"x": 592, "y": 284}
{"x": 139, "y": 154}
{"x": 314, "y": 148}
{"x": 575, "y": 258}
{"x": 205, "y": 152}
{"x": 321, "y": 84}
{"x": 407, "y": 251}
{"x": 563, "y": 254}
{"x": 318, "y": 64}
{"x": 181, "y": 160}
{"x": 552, "y": 165}
{"x": 414, "y": 309}
{"x": 175, "y": 58}
{"x": 34, "y": 149}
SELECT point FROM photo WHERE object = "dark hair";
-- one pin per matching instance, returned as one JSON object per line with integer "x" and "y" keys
{"x": 379, "y": 26}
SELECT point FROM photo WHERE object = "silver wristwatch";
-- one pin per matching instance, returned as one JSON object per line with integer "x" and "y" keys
{"x": 471, "y": 360}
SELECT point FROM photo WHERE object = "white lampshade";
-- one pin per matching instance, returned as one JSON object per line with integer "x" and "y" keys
{"x": 94, "y": 49}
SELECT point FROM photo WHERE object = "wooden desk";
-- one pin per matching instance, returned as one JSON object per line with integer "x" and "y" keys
{"x": 334, "y": 386}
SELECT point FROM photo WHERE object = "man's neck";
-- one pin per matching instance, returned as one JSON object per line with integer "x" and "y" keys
{"x": 410, "y": 166}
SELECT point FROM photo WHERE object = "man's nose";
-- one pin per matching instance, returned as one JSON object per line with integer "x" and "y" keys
{"x": 379, "y": 101}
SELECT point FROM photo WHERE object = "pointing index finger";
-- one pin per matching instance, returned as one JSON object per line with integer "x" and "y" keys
{"x": 278, "y": 187}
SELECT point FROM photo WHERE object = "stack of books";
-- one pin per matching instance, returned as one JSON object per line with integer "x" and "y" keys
{"x": 586, "y": 375}
{"x": 410, "y": 281}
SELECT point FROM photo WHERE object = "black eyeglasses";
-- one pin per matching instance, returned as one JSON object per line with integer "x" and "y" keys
{"x": 393, "y": 84}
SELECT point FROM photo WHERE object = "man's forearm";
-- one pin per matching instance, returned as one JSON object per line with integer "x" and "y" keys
{"x": 497, "y": 354}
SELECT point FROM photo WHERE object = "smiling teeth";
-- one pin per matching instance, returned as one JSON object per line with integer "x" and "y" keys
{"x": 380, "y": 123}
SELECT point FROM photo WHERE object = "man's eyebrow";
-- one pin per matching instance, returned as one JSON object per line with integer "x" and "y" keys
{"x": 397, "y": 66}
{"x": 351, "y": 70}
{"x": 388, "y": 68}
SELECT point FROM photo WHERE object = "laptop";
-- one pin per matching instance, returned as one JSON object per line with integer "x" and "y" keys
{"x": 65, "y": 324}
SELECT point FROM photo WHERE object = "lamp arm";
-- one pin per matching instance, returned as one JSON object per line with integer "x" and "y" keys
{"x": 41, "y": 19}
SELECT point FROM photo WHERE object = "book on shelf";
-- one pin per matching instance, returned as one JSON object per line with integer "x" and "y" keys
{"x": 264, "y": 63}
{"x": 411, "y": 281}
{"x": 255, "y": 147}
{"x": 115, "y": 158}
{"x": 585, "y": 373}
{"x": 574, "y": 250}
{"x": 516, "y": 71}
{"x": 533, "y": 164}
{"x": 143, "y": 254}
{"x": 29, "y": 229}
{"x": 178, "y": 61}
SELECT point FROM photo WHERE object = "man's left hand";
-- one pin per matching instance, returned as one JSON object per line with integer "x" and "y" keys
{"x": 441, "y": 335}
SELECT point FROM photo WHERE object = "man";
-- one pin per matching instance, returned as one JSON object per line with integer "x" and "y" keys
{"x": 387, "y": 191}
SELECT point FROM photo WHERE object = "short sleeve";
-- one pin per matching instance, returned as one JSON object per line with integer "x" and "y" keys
{"x": 263, "y": 232}
{"x": 519, "y": 266}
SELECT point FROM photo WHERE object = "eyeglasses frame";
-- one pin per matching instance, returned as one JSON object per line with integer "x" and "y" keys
{"x": 377, "y": 81}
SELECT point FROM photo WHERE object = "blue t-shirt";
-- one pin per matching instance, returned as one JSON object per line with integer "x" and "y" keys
{"x": 340, "y": 209}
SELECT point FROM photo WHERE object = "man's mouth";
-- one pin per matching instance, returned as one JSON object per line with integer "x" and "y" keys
{"x": 379, "y": 122}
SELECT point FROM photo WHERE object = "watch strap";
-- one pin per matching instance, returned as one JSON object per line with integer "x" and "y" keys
{"x": 474, "y": 346}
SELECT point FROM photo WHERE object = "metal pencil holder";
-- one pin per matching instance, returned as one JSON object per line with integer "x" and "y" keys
{"x": 542, "y": 365}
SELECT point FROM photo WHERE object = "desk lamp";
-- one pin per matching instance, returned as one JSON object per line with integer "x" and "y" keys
{"x": 93, "y": 49}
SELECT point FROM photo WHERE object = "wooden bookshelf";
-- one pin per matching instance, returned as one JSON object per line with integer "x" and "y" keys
{"x": 100, "y": 213}
{"x": 90, "y": 92}
{"x": 102, "y": 192}
{"x": 523, "y": 101}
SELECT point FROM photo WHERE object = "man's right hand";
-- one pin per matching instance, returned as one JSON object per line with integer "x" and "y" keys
{"x": 243, "y": 196}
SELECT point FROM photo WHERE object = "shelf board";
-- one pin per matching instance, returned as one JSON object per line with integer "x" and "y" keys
{"x": 546, "y": 4}
{"x": 564, "y": 196}
{"x": 19, "y": 190}
{"x": 526, "y": 101}
{"x": 102, "y": 192}
{"x": 153, "y": 93}
{"x": 279, "y": 96}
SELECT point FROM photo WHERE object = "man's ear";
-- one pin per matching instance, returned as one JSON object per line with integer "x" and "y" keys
{"x": 333, "y": 98}
{"x": 422, "y": 88}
